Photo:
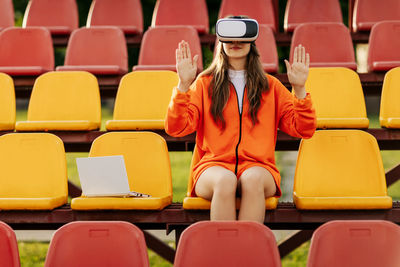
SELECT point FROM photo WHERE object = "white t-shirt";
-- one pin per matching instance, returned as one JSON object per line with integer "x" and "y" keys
{"x": 238, "y": 78}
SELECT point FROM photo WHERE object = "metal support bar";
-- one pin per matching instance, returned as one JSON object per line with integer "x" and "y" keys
{"x": 159, "y": 247}
{"x": 294, "y": 241}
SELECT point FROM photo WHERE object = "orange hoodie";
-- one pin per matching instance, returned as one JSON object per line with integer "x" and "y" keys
{"x": 241, "y": 145}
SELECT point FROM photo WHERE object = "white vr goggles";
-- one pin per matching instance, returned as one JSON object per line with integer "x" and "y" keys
{"x": 236, "y": 29}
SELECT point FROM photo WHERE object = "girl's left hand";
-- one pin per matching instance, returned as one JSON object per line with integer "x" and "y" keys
{"x": 298, "y": 72}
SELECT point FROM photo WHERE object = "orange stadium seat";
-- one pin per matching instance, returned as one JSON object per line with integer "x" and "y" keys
{"x": 389, "y": 115}
{"x": 368, "y": 12}
{"x": 63, "y": 101}
{"x": 303, "y": 11}
{"x": 7, "y": 103}
{"x": 125, "y": 14}
{"x": 384, "y": 43}
{"x": 99, "y": 50}
{"x": 26, "y": 52}
{"x": 355, "y": 244}
{"x": 33, "y": 172}
{"x": 6, "y": 14}
{"x": 9, "y": 255}
{"x": 229, "y": 243}
{"x": 329, "y": 44}
{"x": 60, "y": 17}
{"x": 147, "y": 165}
{"x": 97, "y": 243}
{"x": 198, "y": 203}
{"x": 266, "y": 46}
{"x": 181, "y": 12}
{"x": 158, "y": 47}
{"x": 260, "y": 10}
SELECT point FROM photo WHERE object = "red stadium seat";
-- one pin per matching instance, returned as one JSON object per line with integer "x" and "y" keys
{"x": 26, "y": 51}
{"x": 99, "y": 50}
{"x": 158, "y": 47}
{"x": 9, "y": 256}
{"x": 355, "y": 244}
{"x": 260, "y": 10}
{"x": 60, "y": 17}
{"x": 266, "y": 46}
{"x": 368, "y": 12}
{"x": 303, "y": 11}
{"x": 329, "y": 44}
{"x": 6, "y": 14}
{"x": 384, "y": 44}
{"x": 125, "y": 14}
{"x": 97, "y": 244}
{"x": 227, "y": 243}
{"x": 171, "y": 12}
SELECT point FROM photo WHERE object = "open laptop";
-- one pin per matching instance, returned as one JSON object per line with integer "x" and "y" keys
{"x": 105, "y": 177}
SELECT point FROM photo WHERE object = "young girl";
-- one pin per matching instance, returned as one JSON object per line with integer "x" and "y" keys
{"x": 236, "y": 109}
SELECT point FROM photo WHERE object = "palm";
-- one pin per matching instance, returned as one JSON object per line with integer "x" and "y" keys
{"x": 185, "y": 66}
{"x": 298, "y": 72}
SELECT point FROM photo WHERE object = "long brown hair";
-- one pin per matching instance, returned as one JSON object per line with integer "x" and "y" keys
{"x": 256, "y": 83}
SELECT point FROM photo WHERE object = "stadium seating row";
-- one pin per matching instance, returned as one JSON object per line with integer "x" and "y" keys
{"x": 115, "y": 243}
{"x": 29, "y": 52}
{"x": 70, "y": 101}
{"x": 61, "y": 17}
{"x": 336, "y": 169}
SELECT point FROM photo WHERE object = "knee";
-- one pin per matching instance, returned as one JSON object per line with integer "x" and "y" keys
{"x": 225, "y": 185}
{"x": 252, "y": 182}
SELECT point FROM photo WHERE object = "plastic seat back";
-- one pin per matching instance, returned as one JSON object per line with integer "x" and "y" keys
{"x": 329, "y": 44}
{"x": 355, "y": 244}
{"x": 368, "y": 12}
{"x": 26, "y": 51}
{"x": 158, "y": 47}
{"x": 266, "y": 46}
{"x": 146, "y": 159}
{"x": 229, "y": 243}
{"x": 34, "y": 171}
{"x": 260, "y": 10}
{"x": 303, "y": 11}
{"x": 9, "y": 255}
{"x": 99, "y": 50}
{"x": 125, "y": 14}
{"x": 7, "y": 103}
{"x": 97, "y": 243}
{"x": 142, "y": 100}
{"x": 389, "y": 115}
{"x": 6, "y": 14}
{"x": 171, "y": 12}
{"x": 340, "y": 169}
{"x": 384, "y": 41}
{"x": 60, "y": 17}
{"x": 63, "y": 101}
{"x": 338, "y": 98}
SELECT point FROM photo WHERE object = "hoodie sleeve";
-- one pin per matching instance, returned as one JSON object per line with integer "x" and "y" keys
{"x": 296, "y": 116}
{"x": 184, "y": 111}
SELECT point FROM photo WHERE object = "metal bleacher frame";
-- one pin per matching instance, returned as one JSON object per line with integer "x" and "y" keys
{"x": 174, "y": 217}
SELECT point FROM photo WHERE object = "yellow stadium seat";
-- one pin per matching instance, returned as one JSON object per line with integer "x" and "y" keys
{"x": 148, "y": 167}
{"x": 198, "y": 203}
{"x": 340, "y": 169}
{"x": 142, "y": 100}
{"x": 63, "y": 101}
{"x": 389, "y": 115}
{"x": 33, "y": 172}
{"x": 7, "y": 103}
{"x": 337, "y": 97}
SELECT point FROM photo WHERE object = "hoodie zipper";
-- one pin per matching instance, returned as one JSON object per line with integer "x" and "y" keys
{"x": 240, "y": 127}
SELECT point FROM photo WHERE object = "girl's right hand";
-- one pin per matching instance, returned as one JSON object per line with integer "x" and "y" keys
{"x": 185, "y": 66}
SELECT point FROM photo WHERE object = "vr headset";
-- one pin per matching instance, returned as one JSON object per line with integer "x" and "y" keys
{"x": 236, "y": 29}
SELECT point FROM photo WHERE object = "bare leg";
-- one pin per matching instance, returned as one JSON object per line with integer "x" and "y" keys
{"x": 256, "y": 183}
{"x": 218, "y": 185}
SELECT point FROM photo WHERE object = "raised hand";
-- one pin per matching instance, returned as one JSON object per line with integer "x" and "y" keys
{"x": 185, "y": 66}
{"x": 298, "y": 72}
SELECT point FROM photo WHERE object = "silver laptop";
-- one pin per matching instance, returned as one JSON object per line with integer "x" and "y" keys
{"x": 105, "y": 177}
